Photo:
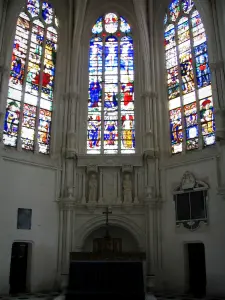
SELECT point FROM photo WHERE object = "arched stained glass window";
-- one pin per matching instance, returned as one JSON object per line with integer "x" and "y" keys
{"x": 188, "y": 77}
{"x": 31, "y": 83}
{"x": 111, "y": 88}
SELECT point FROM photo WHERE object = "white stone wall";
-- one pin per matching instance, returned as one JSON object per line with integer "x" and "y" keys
{"x": 32, "y": 187}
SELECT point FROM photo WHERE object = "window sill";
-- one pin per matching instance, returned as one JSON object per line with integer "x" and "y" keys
{"x": 194, "y": 156}
{"x": 28, "y": 157}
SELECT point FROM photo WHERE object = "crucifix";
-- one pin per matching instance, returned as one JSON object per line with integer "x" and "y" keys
{"x": 107, "y": 213}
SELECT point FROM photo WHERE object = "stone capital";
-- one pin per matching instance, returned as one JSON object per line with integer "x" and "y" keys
{"x": 149, "y": 154}
{"x": 67, "y": 204}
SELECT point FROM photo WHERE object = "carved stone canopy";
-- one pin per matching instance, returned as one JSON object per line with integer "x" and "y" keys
{"x": 127, "y": 169}
{"x": 92, "y": 169}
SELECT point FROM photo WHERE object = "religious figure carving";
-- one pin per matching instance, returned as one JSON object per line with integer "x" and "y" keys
{"x": 93, "y": 187}
{"x": 188, "y": 181}
{"x": 127, "y": 189}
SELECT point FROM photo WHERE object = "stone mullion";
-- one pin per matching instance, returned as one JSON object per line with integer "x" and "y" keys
{"x": 103, "y": 97}
{"x": 36, "y": 146}
{"x": 200, "y": 137}
{"x": 184, "y": 144}
{"x": 120, "y": 128}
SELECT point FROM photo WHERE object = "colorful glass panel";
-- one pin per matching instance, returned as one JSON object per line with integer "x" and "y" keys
{"x": 187, "y": 5}
{"x": 110, "y": 128}
{"x": 174, "y": 10}
{"x": 98, "y": 27}
{"x": 47, "y": 12}
{"x": 33, "y": 7}
{"x": 31, "y": 82}
{"x": 111, "y": 23}
{"x": 124, "y": 26}
{"x": 188, "y": 79}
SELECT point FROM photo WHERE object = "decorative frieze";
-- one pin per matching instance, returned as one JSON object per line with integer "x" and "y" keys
{"x": 109, "y": 160}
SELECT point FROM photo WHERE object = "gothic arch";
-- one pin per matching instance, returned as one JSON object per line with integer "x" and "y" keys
{"x": 123, "y": 222}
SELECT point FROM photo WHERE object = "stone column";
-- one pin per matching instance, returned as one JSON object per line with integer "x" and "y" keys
{"x": 66, "y": 219}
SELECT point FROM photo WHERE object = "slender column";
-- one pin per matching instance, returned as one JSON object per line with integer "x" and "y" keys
{"x": 60, "y": 251}
{"x": 71, "y": 137}
{"x": 119, "y": 200}
{"x": 136, "y": 186}
{"x": 67, "y": 230}
{"x": 84, "y": 189}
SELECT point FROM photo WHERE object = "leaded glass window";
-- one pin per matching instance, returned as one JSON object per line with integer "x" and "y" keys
{"x": 110, "y": 128}
{"x": 190, "y": 101}
{"x": 32, "y": 75}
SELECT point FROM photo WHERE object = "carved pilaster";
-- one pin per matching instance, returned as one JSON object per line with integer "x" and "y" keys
{"x": 72, "y": 99}
{"x": 149, "y": 98}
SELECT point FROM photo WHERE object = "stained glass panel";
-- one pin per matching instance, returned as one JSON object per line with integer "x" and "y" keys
{"x": 111, "y": 86}
{"x": 33, "y": 7}
{"x": 98, "y": 27}
{"x": 174, "y": 10}
{"x": 194, "y": 73}
{"x": 124, "y": 26}
{"x": 187, "y": 6}
{"x": 47, "y": 12}
{"x": 31, "y": 81}
{"x": 111, "y": 23}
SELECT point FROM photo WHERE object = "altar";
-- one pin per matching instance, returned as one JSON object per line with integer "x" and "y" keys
{"x": 106, "y": 276}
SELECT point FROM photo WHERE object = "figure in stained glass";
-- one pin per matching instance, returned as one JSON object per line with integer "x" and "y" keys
{"x": 12, "y": 118}
{"x": 95, "y": 94}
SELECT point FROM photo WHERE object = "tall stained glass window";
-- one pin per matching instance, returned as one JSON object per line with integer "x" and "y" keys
{"x": 111, "y": 87}
{"x": 31, "y": 83}
{"x": 190, "y": 99}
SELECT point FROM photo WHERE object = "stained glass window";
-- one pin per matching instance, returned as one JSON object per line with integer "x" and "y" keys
{"x": 111, "y": 88}
{"x": 192, "y": 124}
{"x": 31, "y": 83}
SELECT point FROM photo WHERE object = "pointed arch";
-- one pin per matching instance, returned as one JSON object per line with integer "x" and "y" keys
{"x": 111, "y": 87}
{"x": 190, "y": 101}
{"x": 30, "y": 97}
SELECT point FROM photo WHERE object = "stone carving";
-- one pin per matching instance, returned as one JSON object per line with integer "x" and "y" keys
{"x": 70, "y": 192}
{"x": 149, "y": 190}
{"x": 93, "y": 188}
{"x": 188, "y": 181}
{"x": 127, "y": 189}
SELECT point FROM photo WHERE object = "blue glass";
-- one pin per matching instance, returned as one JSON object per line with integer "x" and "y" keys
{"x": 98, "y": 27}
{"x": 187, "y": 5}
{"x": 95, "y": 93}
{"x": 201, "y": 49}
{"x": 192, "y": 132}
{"x": 124, "y": 26}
